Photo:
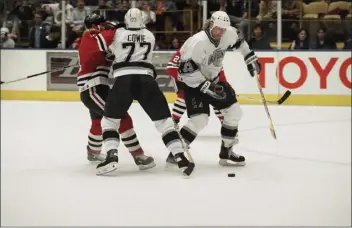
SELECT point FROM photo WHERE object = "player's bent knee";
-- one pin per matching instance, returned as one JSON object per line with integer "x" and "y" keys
{"x": 232, "y": 114}
{"x": 110, "y": 124}
{"x": 198, "y": 122}
{"x": 164, "y": 125}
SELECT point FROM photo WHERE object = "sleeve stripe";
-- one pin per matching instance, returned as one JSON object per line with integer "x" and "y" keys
{"x": 101, "y": 43}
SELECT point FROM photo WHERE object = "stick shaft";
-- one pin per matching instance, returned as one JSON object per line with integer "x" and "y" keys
{"x": 38, "y": 74}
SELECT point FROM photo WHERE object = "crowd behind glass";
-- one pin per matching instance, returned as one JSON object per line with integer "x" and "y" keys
{"x": 306, "y": 24}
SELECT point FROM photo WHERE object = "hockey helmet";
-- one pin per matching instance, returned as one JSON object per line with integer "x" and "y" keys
{"x": 220, "y": 19}
{"x": 134, "y": 19}
{"x": 4, "y": 32}
{"x": 93, "y": 19}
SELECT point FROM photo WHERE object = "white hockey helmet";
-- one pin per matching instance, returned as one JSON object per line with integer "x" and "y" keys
{"x": 220, "y": 19}
{"x": 134, "y": 19}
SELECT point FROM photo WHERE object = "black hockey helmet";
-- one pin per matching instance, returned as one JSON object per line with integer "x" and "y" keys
{"x": 93, "y": 19}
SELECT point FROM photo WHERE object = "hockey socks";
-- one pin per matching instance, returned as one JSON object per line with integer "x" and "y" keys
{"x": 129, "y": 137}
{"x": 95, "y": 137}
{"x": 179, "y": 107}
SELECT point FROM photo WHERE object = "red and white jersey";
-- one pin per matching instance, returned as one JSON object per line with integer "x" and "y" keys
{"x": 132, "y": 50}
{"x": 174, "y": 63}
{"x": 172, "y": 66}
{"x": 94, "y": 68}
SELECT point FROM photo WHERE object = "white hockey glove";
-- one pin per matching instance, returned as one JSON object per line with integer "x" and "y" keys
{"x": 214, "y": 90}
{"x": 252, "y": 63}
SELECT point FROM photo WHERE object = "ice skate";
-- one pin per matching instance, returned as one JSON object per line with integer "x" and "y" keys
{"x": 95, "y": 156}
{"x": 110, "y": 164}
{"x": 171, "y": 163}
{"x": 171, "y": 159}
{"x": 230, "y": 158}
{"x": 144, "y": 162}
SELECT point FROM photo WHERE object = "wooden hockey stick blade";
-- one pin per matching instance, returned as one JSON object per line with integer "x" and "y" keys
{"x": 278, "y": 102}
{"x": 284, "y": 97}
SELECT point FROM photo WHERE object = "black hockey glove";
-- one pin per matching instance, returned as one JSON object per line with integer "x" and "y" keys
{"x": 252, "y": 63}
{"x": 111, "y": 25}
{"x": 109, "y": 55}
{"x": 214, "y": 90}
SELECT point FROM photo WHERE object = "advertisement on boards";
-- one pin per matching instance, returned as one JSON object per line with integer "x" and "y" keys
{"x": 66, "y": 79}
{"x": 309, "y": 73}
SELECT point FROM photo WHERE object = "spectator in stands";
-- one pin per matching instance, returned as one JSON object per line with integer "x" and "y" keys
{"x": 102, "y": 7}
{"x": 148, "y": 15}
{"x": 56, "y": 12}
{"x": 118, "y": 14}
{"x": 24, "y": 13}
{"x": 52, "y": 40}
{"x": 302, "y": 40}
{"x": 267, "y": 10}
{"x": 125, "y": 5}
{"x": 175, "y": 44}
{"x": 222, "y": 5}
{"x": 348, "y": 39}
{"x": 291, "y": 12}
{"x": 5, "y": 40}
{"x": 38, "y": 32}
{"x": 239, "y": 10}
{"x": 90, "y": 2}
{"x": 259, "y": 40}
{"x": 323, "y": 41}
{"x": 162, "y": 9}
{"x": 80, "y": 13}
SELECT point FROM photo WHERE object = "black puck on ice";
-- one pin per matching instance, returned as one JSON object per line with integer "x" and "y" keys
{"x": 231, "y": 174}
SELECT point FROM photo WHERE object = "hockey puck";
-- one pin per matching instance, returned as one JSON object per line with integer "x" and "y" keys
{"x": 231, "y": 174}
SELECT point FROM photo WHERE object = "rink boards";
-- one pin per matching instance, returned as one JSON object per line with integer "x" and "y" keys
{"x": 314, "y": 78}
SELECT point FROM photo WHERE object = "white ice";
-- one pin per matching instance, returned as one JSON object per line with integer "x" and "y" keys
{"x": 302, "y": 178}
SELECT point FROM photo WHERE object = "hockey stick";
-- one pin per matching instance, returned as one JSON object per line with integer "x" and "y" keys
{"x": 271, "y": 125}
{"x": 278, "y": 102}
{"x": 185, "y": 147}
{"x": 35, "y": 75}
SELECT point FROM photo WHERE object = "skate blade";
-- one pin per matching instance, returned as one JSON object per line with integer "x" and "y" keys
{"x": 95, "y": 159}
{"x": 170, "y": 166}
{"x": 225, "y": 162}
{"x": 145, "y": 167}
{"x": 106, "y": 169}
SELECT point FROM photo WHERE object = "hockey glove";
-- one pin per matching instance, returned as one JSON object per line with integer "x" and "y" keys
{"x": 252, "y": 63}
{"x": 111, "y": 25}
{"x": 214, "y": 90}
{"x": 109, "y": 55}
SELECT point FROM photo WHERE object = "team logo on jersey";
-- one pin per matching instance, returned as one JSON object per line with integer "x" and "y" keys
{"x": 217, "y": 57}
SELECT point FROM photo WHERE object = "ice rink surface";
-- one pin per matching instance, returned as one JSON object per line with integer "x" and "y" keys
{"x": 303, "y": 178}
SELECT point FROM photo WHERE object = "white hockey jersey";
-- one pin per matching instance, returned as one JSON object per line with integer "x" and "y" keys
{"x": 132, "y": 50}
{"x": 202, "y": 56}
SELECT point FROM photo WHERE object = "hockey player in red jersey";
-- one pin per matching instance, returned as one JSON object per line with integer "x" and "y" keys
{"x": 180, "y": 106}
{"x": 94, "y": 88}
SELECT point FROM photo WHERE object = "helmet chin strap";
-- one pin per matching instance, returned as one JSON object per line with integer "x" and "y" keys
{"x": 211, "y": 29}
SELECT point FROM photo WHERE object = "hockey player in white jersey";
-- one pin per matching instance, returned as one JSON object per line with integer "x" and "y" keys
{"x": 135, "y": 80}
{"x": 200, "y": 64}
